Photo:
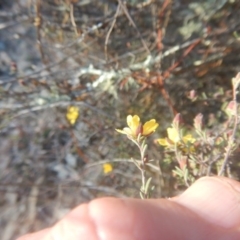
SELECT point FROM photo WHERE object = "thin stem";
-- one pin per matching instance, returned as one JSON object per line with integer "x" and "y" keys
{"x": 178, "y": 156}
{"x": 142, "y": 148}
{"x": 229, "y": 147}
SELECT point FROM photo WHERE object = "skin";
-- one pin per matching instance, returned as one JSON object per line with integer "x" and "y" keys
{"x": 209, "y": 209}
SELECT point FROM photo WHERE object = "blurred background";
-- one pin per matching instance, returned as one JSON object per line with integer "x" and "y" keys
{"x": 109, "y": 59}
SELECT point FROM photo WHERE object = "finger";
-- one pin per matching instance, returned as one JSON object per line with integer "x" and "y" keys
{"x": 215, "y": 199}
{"x": 129, "y": 219}
{"x": 107, "y": 219}
{"x": 38, "y": 235}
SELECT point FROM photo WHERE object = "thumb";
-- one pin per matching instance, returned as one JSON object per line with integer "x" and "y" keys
{"x": 209, "y": 209}
{"x": 215, "y": 199}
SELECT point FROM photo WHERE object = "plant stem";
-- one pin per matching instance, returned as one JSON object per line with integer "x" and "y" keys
{"x": 142, "y": 147}
{"x": 229, "y": 147}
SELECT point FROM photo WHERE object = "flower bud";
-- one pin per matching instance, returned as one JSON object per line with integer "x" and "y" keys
{"x": 192, "y": 95}
{"x": 177, "y": 121}
{"x": 198, "y": 122}
{"x": 236, "y": 81}
{"x": 231, "y": 108}
{"x": 182, "y": 162}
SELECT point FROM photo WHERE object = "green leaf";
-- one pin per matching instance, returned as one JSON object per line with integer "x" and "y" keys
{"x": 147, "y": 185}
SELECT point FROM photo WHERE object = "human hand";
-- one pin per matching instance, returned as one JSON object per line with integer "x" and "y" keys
{"x": 208, "y": 210}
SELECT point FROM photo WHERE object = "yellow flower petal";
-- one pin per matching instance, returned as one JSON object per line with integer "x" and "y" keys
{"x": 72, "y": 114}
{"x": 163, "y": 142}
{"x": 107, "y": 168}
{"x": 173, "y": 135}
{"x": 133, "y": 122}
{"x": 189, "y": 138}
{"x": 126, "y": 130}
{"x": 149, "y": 127}
{"x": 120, "y": 131}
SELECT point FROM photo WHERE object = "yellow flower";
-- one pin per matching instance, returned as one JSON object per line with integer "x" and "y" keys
{"x": 135, "y": 127}
{"x": 188, "y": 139}
{"x": 149, "y": 127}
{"x": 72, "y": 114}
{"x": 175, "y": 138}
{"x": 173, "y": 135}
{"x": 107, "y": 168}
{"x": 164, "y": 142}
